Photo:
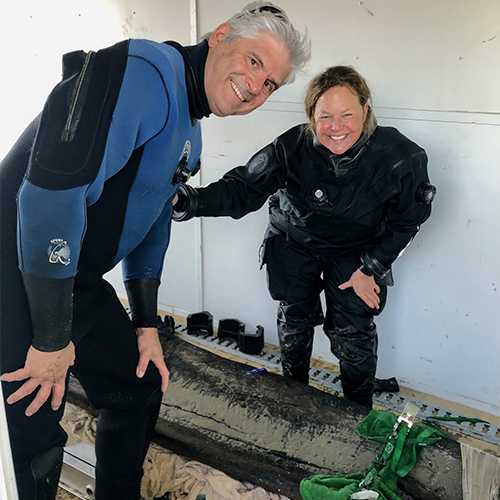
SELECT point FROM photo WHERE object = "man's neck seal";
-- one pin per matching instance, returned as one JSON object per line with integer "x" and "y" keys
{"x": 195, "y": 57}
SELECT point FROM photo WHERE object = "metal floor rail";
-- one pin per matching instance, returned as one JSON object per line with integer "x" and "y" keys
{"x": 393, "y": 401}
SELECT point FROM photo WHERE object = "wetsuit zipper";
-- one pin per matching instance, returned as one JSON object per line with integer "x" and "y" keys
{"x": 78, "y": 98}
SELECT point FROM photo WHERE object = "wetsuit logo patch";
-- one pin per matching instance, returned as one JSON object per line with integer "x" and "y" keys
{"x": 59, "y": 252}
{"x": 258, "y": 164}
{"x": 186, "y": 151}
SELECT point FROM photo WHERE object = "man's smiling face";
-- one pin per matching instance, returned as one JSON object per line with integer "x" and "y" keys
{"x": 241, "y": 75}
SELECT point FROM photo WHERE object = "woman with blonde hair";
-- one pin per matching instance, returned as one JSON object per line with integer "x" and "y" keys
{"x": 346, "y": 197}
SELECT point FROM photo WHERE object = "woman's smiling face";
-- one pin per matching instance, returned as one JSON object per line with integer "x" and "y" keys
{"x": 339, "y": 119}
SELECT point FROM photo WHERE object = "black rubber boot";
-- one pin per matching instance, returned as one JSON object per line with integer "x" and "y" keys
{"x": 38, "y": 479}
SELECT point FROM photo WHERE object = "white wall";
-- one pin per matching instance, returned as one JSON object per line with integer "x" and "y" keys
{"x": 434, "y": 68}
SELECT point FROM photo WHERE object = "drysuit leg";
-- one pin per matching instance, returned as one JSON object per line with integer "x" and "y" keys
{"x": 352, "y": 332}
{"x": 357, "y": 355}
{"x": 294, "y": 279}
{"x": 106, "y": 362}
{"x": 296, "y": 324}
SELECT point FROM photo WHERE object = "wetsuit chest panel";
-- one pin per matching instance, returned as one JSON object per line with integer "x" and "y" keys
{"x": 135, "y": 198}
{"x": 152, "y": 188}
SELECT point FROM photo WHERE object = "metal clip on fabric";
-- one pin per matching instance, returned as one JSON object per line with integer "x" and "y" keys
{"x": 393, "y": 447}
{"x": 407, "y": 416}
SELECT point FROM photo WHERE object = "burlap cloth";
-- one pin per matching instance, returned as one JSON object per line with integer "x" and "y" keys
{"x": 166, "y": 472}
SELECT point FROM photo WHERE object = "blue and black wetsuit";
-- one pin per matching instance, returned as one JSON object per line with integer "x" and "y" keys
{"x": 88, "y": 185}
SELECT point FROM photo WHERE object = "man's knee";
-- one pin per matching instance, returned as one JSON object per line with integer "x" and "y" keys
{"x": 31, "y": 436}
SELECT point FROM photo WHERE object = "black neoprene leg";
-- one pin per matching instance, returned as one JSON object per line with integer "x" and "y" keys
{"x": 36, "y": 441}
{"x": 38, "y": 478}
{"x": 106, "y": 364}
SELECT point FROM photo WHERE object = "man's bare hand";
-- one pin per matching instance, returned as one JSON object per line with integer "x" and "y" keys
{"x": 365, "y": 288}
{"x": 150, "y": 350}
{"x": 46, "y": 370}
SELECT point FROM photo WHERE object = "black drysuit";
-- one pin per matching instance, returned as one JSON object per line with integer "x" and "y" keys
{"x": 329, "y": 215}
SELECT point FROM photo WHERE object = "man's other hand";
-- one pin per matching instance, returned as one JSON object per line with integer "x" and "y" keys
{"x": 46, "y": 370}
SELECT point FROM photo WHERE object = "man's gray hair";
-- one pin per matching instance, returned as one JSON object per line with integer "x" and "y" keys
{"x": 260, "y": 16}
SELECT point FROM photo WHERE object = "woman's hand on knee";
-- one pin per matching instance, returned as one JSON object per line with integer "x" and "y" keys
{"x": 365, "y": 288}
{"x": 46, "y": 370}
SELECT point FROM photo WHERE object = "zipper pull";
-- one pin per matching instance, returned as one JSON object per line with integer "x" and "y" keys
{"x": 79, "y": 95}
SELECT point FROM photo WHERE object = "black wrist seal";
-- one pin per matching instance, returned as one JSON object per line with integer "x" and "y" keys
{"x": 51, "y": 309}
{"x": 187, "y": 204}
{"x": 142, "y": 296}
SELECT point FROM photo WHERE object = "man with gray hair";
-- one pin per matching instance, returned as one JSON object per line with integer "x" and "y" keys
{"x": 89, "y": 184}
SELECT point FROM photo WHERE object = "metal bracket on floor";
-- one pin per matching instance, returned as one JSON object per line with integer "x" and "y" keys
{"x": 77, "y": 475}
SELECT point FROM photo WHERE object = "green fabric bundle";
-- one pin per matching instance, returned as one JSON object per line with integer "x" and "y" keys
{"x": 378, "y": 425}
